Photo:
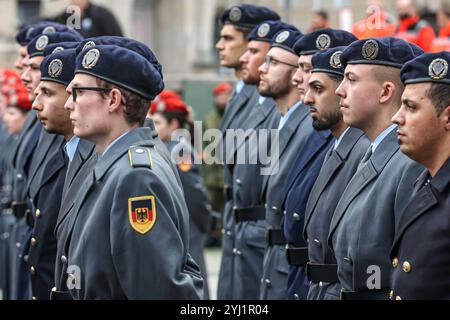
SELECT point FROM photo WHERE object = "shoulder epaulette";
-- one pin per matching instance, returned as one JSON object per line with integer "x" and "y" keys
{"x": 140, "y": 157}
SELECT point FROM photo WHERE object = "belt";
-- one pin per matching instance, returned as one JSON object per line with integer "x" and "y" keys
{"x": 29, "y": 218}
{"x": 19, "y": 209}
{"x": 228, "y": 193}
{"x": 381, "y": 294}
{"x": 60, "y": 295}
{"x": 297, "y": 256}
{"x": 249, "y": 214}
{"x": 322, "y": 272}
{"x": 275, "y": 237}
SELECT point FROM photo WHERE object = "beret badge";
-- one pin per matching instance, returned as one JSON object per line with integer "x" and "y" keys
{"x": 91, "y": 58}
{"x": 88, "y": 45}
{"x": 438, "y": 69}
{"x": 335, "y": 60}
{"x": 41, "y": 43}
{"x": 235, "y": 14}
{"x": 370, "y": 50}
{"x": 55, "y": 68}
{"x": 323, "y": 42}
{"x": 263, "y": 30}
{"x": 282, "y": 36}
{"x": 49, "y": 30}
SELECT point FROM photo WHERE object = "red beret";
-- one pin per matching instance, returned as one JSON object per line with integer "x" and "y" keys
{"x": 168, "y": 101}
{"x": 17, "y": 96}
{"x": 9, "y": 77}
{"x": 222, "y": 87}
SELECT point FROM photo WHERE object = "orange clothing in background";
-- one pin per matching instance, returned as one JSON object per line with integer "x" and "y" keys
{"x": 368, "y": 28}
{"x": 445, "y": 31}
{"x": 417, "y": 31}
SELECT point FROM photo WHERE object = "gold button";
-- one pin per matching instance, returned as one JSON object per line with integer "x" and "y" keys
{"x": 33, "y": 270}
{"x": 395, "y": 262}
{"x": 391, "y": 295}
{"x": 38, "y": 213}
{"x": 398, "y": 298}
{"x": 33, "y": 242}
{"x": 406, "y": 266}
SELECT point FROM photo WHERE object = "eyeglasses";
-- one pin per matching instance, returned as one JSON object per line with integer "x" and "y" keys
{"x": 271, "y": 61}
{"x": 98, "y": 89}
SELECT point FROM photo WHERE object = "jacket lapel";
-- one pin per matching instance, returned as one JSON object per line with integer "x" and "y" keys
{"x": 365, "y": 175}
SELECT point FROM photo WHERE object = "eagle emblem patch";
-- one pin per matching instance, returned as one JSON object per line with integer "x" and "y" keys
{"x": 142, "y": 213}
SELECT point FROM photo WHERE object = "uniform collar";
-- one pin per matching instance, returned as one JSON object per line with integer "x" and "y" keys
{"x": 442, "y": 178}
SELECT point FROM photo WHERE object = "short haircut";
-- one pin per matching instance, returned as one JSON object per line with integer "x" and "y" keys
{"x": 136, "y": 107}
{"x": 322, "y": 13}
{"x": 391, "y": 74}
{"x": 336, "y": 78}
{"x": 439, "y": 94}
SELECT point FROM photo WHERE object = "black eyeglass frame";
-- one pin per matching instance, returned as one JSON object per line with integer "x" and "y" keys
{"x": 97, "y": 89}
{"x": 268, "y": 59}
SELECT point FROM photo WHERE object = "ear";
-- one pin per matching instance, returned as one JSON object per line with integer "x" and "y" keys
{"x": 445, "y": 116}
{"x": 387, "y": 91}
{"x": 115, "y": 100}
{"x": 174, "y": 124}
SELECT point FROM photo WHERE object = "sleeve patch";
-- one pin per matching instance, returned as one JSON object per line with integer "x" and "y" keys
{"x": 142, "y": 213}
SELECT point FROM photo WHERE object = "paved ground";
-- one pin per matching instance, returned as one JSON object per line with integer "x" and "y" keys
{"x": 212, "y": 256}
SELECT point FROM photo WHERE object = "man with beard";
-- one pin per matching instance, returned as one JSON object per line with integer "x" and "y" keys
{"x": 294, "y": 128}
{"x": 237, "y": 22}
{"x": 340, "y": 164}
{"x": 248, "y": 210}
{"x": 362, "y": 228}
{"x": 298, "y": 189}
{"x": 419, "y": 255}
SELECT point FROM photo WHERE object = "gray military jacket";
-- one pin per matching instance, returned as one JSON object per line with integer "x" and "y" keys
{"x": 128, "y": 233}
{"x": 363, "y": 224}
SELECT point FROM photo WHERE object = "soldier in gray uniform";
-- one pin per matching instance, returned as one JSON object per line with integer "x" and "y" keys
{"x": 237, "y": 22}
{"x": 170, "y": 113}
{"x": 340, "y": 164}
{"x": 248, "y": 209}
{"x": 294, "y": 127}
{"x": 131, "y": 211}
{"x": 362, "y": 228}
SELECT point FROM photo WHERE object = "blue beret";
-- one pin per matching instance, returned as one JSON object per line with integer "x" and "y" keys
{"x": 267, "y": 30}
{"x": 122, "y": 67}
{"x": 429, "y": 67}
{"x": 37, "y": 45}
{"x": 48, "y": 27}
{"x": 59, "y": 67}
{"x": 131, "y": 44}
{"x": 323, "y": 39}
{"x": 328, "y": 61}
{"x": 286, "y": 39}
{"x": 387, "y": 51}
{"x": 22, "y": 35}
{"x": 248, "y": 16}
{"x": 61, "y": 46}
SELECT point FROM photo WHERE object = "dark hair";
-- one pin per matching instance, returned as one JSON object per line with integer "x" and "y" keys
{"x": 136, "y": 107}
{"x": 184, "y": 120}
{"x": 446, "y": 9}
{"x": 336, "y": 78}
{"x": 322, "y": 13}
{"x": 245, "y": 31}
{"x": 439, "y": 94}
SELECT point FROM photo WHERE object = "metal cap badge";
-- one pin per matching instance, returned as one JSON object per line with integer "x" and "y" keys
{"x": 370, "y": 50}
{"x": 263, "y": 30}
{"x": 55, "y": 68}
{"x": 235, "y": 14}
{"x": 323, "y": 42}
{"x": 91, "y": 58}
{"x": 438, "y": 69}
{"x": 282, "y": 36}
{"x": 41, "y": 43}
{"x": 335, "y": 60}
